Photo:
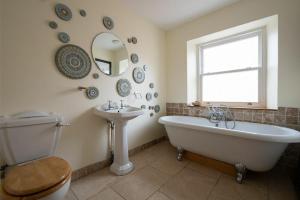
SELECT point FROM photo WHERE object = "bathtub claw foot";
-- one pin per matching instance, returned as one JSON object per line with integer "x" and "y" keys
{"x": 180, "y": 151}
{"x": 241, "y": 172}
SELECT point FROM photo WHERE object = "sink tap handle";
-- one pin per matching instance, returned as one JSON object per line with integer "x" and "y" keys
{"x": 122, "y": 104}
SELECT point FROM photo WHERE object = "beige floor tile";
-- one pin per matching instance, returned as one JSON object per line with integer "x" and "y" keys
{"x": 228, "y": 188}
{"x": 92, "y": 184}
{"x": 70, "y": 195}
{"x": 158, "y": 196}
{"x": 189, "y": 185}
{"x": 204, "y": 170}
{"x": 140, "y": 185}
{"x": 168, "y": 163}
{"x": 107, "y": 194}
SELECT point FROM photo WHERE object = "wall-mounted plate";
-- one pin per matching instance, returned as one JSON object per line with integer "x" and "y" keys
{"x": 138, "y": 75}
{"x": 63, "y": 12}
{"x": 72, "y": 61}
{"x": 92, "y": 92}
{"x": 123, "y": 87}
{"x": 148, "y": 96}
{"x": 63, "y": 37}
{"x": 95, "y": 75}
{"x": 155, "y": 94}
{"x": 134, "y": 58}
{"x": 145, "y": 67}
{"x": 53, "y": 25}
{"x": 134, "y": 40}
{"x": 108, "y": 23}
{"x": 151, "y": 85}
{"x": 143, "y": 106}
{"x": 82, "y": 12}
{"x": 157, "y": 108}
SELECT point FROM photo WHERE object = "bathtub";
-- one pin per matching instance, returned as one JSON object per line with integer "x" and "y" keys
{"x": 257, "y": 146}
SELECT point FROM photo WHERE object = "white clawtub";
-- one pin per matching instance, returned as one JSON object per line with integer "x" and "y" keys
{"x": 256, "y": 146}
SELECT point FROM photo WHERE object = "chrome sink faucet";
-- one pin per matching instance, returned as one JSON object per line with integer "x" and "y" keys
{"x": 122, "y": 105}
{"x": 111, "y": 105}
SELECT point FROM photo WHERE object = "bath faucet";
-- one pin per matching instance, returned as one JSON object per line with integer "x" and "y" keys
{"x": 218, "y": 114}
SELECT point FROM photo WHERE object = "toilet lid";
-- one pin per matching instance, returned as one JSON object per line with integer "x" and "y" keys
{"x": 36, "y": 176}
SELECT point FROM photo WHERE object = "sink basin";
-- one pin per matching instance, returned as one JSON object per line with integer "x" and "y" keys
{"x": 126, "y": 113}
{"x": 121, "y": 164}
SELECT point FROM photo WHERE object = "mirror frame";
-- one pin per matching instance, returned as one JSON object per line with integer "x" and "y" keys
{"x": 92, "y": 44}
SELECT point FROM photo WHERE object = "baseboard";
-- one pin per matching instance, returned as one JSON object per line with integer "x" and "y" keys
{"x": 77, "y": 174}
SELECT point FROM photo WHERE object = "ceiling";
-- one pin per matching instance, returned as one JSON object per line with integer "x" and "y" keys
{"x": 168, "y": 14}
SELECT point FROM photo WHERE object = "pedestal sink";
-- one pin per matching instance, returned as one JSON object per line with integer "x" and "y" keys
{"x": 121, "y": 164}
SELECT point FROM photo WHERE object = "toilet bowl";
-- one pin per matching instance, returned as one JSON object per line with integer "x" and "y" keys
{"x": 45, "y": 179}
{"x": 28, "y": 141}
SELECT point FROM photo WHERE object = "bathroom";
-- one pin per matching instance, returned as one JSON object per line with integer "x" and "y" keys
{"x": 162, "y": 40}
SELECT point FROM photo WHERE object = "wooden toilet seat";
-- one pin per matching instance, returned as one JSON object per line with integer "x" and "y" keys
{"x": 36, "y": 179}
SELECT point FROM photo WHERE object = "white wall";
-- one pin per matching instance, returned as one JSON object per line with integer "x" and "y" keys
{"x": 236, "y": 14}
{"x": 32, "y": 81}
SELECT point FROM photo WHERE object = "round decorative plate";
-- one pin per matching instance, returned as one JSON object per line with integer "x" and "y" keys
{"x": 157, "y": 108}
{"x": 155, "y": 94}
{"x": 151, "y": 85}
{"x": 145, "y": 67}
{"x": 72, "y": 61}
{"x": 53, "y": 25}
{"x": 138, "y": 75}
{"x": 151, "y": 114}
{"x": 63, "y": 37}
{"x": 148, "y": 96}
{"x": 92, "y": 92}
{"x": 82, "y": 12}
{"x": 95, "y": 75}
{"x": 63, "y": 12}
{"x": 134, "y": 58}
{"x": 123, "y": 87}
{"x": 134, "y": 40}
{"x": 108, "y": 23}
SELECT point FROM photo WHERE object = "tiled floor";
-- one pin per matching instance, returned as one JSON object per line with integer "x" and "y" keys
{"x": 159, "y": 176}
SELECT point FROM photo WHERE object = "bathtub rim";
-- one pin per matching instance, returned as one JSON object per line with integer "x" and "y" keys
{"x": 292, "y": 137}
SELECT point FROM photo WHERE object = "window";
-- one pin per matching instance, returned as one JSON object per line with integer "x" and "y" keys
{"x": 232, "y": 70}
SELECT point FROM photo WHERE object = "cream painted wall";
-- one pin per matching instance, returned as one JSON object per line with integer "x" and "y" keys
{"x": 32, "y": 81}
{"x": 1, "y": 61}
{"x": 234, "y": 15}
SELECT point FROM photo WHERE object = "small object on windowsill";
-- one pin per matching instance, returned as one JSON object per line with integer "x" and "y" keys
{"x": 196, "y": 103}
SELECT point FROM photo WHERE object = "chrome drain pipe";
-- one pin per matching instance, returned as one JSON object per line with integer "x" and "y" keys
{"x": 111, "y": 139}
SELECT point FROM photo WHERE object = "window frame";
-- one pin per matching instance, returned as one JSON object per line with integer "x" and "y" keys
{"x": 262, "y": 68}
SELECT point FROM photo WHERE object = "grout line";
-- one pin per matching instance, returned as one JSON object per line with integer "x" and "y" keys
{"x": 117, "y": 193}
{"x": 214, "y": 186}
{"x": 73, "y": 193}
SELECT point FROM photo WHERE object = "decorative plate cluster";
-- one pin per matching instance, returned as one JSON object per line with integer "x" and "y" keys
{"x": 72, "y": 61}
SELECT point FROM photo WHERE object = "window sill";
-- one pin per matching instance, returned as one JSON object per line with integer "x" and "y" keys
{"x": 237, "y": 107}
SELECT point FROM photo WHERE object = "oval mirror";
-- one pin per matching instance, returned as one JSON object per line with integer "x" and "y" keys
{"x": 110, "y": 54}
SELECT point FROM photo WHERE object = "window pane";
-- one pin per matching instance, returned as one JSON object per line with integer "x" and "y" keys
{"x": 231, "y": 87}
{"x": 230, "y": 56}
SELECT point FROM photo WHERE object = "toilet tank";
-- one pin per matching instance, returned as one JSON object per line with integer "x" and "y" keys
{"x": 28, "y": 136}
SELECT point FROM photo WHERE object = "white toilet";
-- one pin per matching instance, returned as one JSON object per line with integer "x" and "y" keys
{"x": 27, "y": 144}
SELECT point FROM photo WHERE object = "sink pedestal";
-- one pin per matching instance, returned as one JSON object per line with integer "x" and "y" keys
{"x": 121, "y": 164}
